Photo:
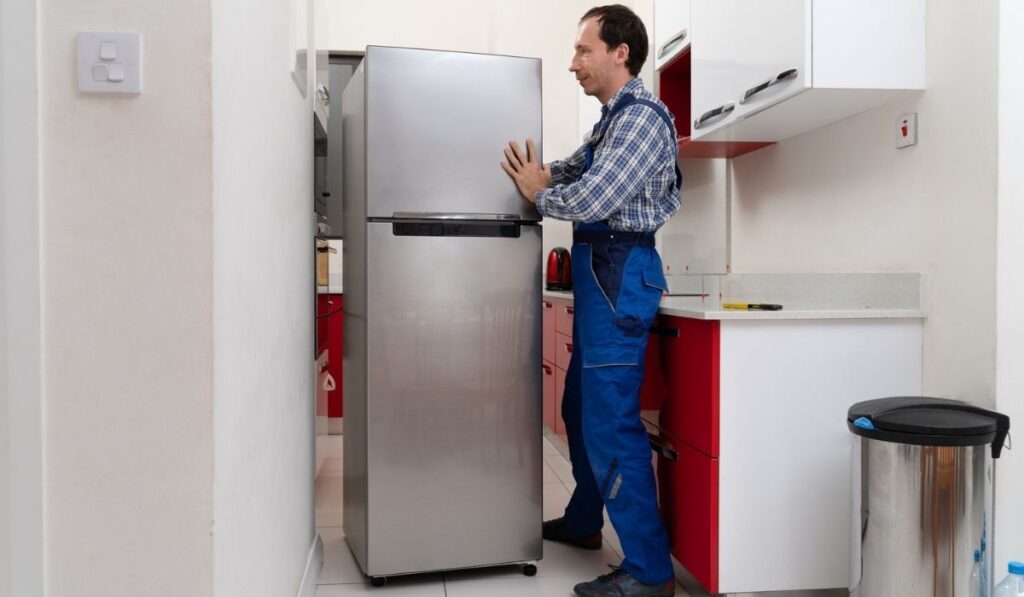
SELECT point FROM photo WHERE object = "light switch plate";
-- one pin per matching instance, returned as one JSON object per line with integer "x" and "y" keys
{"x": 126, "y": 64}
{"x": 906, "y": 130}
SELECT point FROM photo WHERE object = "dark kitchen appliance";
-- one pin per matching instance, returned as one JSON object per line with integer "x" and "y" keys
{"x": 559, "y": 274}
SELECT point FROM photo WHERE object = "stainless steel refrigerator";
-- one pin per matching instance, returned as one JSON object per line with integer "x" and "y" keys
{"x": 442, "y": 386}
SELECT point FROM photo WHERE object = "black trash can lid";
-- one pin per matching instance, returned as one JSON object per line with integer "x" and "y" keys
{"x": 927, "y": 421}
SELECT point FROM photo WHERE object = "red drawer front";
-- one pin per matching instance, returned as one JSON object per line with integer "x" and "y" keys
{"x": 564, "y": 312}
{"x": 548, "y": 345}
{"x": 690, "y": 411}
{"x": 323, "y": 307}
{"x": 563, "y": 351}
{"x": 688, "y": 495}
{"x": 548, "y": 377}
{"x": 559, "y": 391}
{"x": 653, "y": 389}
{"x": 335, "y": 352}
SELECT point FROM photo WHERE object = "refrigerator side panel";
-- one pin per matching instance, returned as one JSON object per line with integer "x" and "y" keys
{"x": 355, "y": 191}
{"x": 455, "y": 392}
{"x": 355, "y": 336}
{"x": 438, "y": 123}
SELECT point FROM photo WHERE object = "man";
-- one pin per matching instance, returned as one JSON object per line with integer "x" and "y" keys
{"x": 617, "y": 189}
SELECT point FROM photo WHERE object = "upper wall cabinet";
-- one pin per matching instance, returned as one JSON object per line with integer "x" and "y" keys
{"x": 671, "y": 30}
{"x": 766, "y": 70}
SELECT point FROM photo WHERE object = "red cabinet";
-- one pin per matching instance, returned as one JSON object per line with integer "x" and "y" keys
{"x": 332, "y": 317}
{"x": 548, "y": 378}
{"x": 688, "y": 487}
{"x": 690, "y": 361}
{"x": 548, "y": 338}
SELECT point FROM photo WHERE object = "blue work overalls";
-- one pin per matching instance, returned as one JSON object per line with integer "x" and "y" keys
{"x": 618, "y": 283}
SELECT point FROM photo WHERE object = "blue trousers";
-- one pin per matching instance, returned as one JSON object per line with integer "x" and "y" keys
{"x": 617, "y": 290}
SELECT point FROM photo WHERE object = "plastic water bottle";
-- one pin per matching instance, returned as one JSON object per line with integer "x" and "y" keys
{"x": 1013, "y": 584}
{"x": 976, "y": 582}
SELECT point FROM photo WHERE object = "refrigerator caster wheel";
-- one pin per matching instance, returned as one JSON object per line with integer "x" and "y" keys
{"x": 529, "y": 570}
{"x": 378, "y": 581}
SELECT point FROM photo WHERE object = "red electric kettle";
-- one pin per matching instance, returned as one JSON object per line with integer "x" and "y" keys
{"x": 559, "y": 275}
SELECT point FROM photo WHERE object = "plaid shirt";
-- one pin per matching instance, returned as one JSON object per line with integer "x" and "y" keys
{"x": 631, "y": 183}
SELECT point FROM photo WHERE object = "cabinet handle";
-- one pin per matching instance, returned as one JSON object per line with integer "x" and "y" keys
{"x": 659, "y": 330}
{"x": 547, "y": 370}
{"x": 785, "y": 75}
{"x": 546, "y": 304}
{"x": 710, "y": 115}
{"x": 662, "y": 448}
{"x": 568, "y": 348}
{"x": 671, "y": 44}
{"x": 570, "y": 310}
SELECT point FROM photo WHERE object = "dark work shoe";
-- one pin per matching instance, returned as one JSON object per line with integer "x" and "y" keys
{"x": 621, "y": 584}
{"x": 554, "y": 530}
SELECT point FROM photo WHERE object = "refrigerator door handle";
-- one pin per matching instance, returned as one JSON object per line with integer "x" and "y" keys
{"x": 437, "y": 215}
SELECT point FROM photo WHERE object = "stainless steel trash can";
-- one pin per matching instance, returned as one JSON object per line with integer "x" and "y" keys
{"x": 922, "y": 495}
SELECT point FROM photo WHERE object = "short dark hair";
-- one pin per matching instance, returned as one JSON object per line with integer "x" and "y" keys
{"x": 620, "y": 25}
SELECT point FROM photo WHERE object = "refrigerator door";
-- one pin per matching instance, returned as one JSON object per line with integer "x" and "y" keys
{"x": 436, "y": 125}
{"x": 453, "y": 395}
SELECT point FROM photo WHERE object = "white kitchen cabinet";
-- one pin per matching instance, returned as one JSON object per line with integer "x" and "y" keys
{"x": 671, "y": 30}
{"x": 763, "y": 71}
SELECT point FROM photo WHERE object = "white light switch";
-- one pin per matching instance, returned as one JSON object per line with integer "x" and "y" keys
{"x": 906, "y": 130}
{"x": 108, "y": 50}
{"x": 109, "y": 62}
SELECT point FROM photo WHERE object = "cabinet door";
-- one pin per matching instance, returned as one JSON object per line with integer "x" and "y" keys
{"x": 653, "y": 388}
{"x": 671, "y": 29}
{"x": 564, "y": 312}
{"x": 747, "y": 55}
{"x": 772, "y": 52}
{"x": 335, "y": 348}
{"x": 688, "y": 495}
{"x": 713, "y": 98}
{"x": 690, "y": 411}
{"x": 563, "y": 351}
{"x": 549, "y": 395}
{"x": 548, "y": 341}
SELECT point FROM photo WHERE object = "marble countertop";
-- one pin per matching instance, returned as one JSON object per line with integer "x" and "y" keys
{"x": 802, "y": 296}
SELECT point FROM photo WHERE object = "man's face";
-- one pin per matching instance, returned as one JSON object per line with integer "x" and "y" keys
{"x": 593, "y": 62}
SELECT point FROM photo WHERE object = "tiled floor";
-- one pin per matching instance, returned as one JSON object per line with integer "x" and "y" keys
{"x": 560, "y": 570}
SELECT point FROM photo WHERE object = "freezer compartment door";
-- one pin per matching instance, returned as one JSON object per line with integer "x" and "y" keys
{"x": 437, "y": 123}
{"x": 453, "y": 399}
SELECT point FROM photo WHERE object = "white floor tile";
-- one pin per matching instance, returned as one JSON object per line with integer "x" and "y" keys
{"x": 549, "y": 448}
{"x": 334, "y": 446}
{"x": 582, "y": 564}
{"x": 556, "y": 498}
{"x": 329, "y": 496}
{"x": 561, "y": 467}
{"x": 339, "y": 564}
{"x": 332, "y": 467}
{"x": 396, "y": 587}
{"x": 516, "y": 586}
{"x": 549, "y": 475}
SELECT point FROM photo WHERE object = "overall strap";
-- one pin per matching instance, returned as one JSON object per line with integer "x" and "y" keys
{"x": 626, "y": 101}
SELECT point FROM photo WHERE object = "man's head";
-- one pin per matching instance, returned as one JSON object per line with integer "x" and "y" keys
{"x": 611, "y": 47}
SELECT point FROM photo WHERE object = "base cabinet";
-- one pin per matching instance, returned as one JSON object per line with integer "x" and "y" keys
{"x": 752, "y": 447}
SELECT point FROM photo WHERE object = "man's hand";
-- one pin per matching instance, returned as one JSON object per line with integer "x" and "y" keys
{"x": 530, "y": 176}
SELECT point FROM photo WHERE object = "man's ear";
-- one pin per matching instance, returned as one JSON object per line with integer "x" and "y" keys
{"x": 622, "y": 54}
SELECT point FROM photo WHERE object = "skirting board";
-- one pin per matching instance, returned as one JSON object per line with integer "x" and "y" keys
{"x": 313, "y": 565}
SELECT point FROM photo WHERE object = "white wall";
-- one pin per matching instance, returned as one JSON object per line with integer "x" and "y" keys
{"x": 1009, "y": 535}
{"x": 529, "y": 28}
{"x": 263, "y": 293}
{"x": 127, "y": 307}
{"x": 21, "y": 411}
{"x": 842, "y": 198}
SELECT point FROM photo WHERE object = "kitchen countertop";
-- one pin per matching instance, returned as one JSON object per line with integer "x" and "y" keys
{"x": 802, "y": 296}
